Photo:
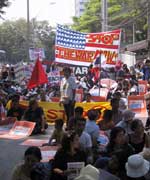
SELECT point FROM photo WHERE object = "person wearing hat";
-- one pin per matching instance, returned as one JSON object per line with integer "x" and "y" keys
{"x": 67, "y": 93}
{"x": 137, "y": 167}
{"x": 125, "y": 123}
{"x": 89, "y": 172}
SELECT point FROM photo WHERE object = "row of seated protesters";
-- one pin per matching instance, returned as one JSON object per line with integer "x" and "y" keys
{"x": 33, "y": 113}
{"x": 122, "y": 158}
{"x": 121, "y": 161}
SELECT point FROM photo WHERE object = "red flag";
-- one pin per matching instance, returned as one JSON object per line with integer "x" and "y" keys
{"x": 38, "y": 76}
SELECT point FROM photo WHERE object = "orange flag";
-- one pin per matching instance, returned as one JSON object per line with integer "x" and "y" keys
{"x": 38, "y": 76}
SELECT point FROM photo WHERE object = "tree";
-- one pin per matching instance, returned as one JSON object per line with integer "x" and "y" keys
{"x": 13, "y": 39}
{"x": 3, "y": 3}
{"x": 90, "y": 21}
{"x": 45, "y": 35}
{"x": 121, "y": 14}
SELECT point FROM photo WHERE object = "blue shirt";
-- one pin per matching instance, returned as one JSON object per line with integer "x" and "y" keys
{"x": 92, "y": 129}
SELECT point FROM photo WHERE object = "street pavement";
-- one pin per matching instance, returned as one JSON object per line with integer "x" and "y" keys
{"x": 12, "y": 153}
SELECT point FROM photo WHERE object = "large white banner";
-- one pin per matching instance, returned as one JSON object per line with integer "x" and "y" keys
{"x": 82, "y": 49}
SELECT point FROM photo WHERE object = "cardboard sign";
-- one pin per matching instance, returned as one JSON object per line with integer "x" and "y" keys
{"x": 48, "y": 152}
{"x": 6, "y": 125}
{"x": 142, "y": 87}
{"x": 138, "y": 105}
{"x": 75, "y": 168}
{"x": 79, "y": 95}
{"x": 34, "y": 142}
{"x": 20, "y": 129}
{"x": 54, "y": 77}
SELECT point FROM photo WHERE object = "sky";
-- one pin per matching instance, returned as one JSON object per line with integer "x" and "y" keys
{"x": 55, "y": 11}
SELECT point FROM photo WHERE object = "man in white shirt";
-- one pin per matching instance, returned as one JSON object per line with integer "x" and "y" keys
{"x": 67, "y": 92}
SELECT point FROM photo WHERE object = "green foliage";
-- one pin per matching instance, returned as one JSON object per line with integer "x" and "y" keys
{"x": 3, "y": 3}
{"x": 90, "y": 20}
{"x": 121, "y": 14}
{"x": 13, "y": 39}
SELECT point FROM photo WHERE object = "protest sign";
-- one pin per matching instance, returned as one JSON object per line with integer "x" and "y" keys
{"x": 20, "y": 129}
{"x": 6, "y": 125}
{"x": 142, "y": 87}
{"x": 48, "y": 152}
{"x": 53, "y": 111}
{"x": 138, "y": 105}
{"x": 34, "y": 142}
{"x": 74, "y": 168}
{"x": 34, "y": 53}
{"x": 54, "y": 77}
{"x": 74, "y": 47}
{"x": 79, "y": 95}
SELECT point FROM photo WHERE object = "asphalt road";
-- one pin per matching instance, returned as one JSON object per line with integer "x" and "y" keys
{"x": 12, "y": 153}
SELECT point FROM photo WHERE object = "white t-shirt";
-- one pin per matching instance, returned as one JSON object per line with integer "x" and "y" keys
{"x": 66, "y": 89}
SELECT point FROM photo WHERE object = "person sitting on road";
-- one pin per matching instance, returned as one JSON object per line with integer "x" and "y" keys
{"x": 84, "y": 138}
{"x": 91, "y": 127}
{"x": 68, "y": 152}
{"x": 125, "y": 123}
{"x": 138, "y": 138}
{"x": 116, "y": 113}
{"x": 57, "y": 134}
{"x": 34, "y": 113}
{"x": 15, "y": 110}
{"x": 23, "y": 171}
{"x": 78, "y": 113}
{"x": 106, "y": 123}
{"x": 93, "y": 130}
{"x": 116, "y": 153}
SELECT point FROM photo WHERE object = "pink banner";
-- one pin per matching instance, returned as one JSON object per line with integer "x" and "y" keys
{"x": 6, "y": 125}
{"x": 20, "y": 129}
{"x": 34, "y": 142}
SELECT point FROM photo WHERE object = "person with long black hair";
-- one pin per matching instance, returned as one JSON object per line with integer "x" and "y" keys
{"x": 69, "y": 152}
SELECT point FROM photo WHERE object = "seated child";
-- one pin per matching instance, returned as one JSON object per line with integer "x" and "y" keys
{"x": 57, "y": 134}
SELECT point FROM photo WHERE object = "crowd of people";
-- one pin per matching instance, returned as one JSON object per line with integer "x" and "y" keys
{"x": 126, "y": 156}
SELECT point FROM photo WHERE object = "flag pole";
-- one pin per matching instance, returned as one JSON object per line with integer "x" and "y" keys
{"x": 99, "y": 74}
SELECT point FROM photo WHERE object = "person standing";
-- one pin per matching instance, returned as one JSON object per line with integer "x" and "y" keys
{"x": 67, "y": 93}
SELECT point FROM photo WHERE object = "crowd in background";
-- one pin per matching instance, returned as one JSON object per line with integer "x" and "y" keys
{"x": 125, "y": 157}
